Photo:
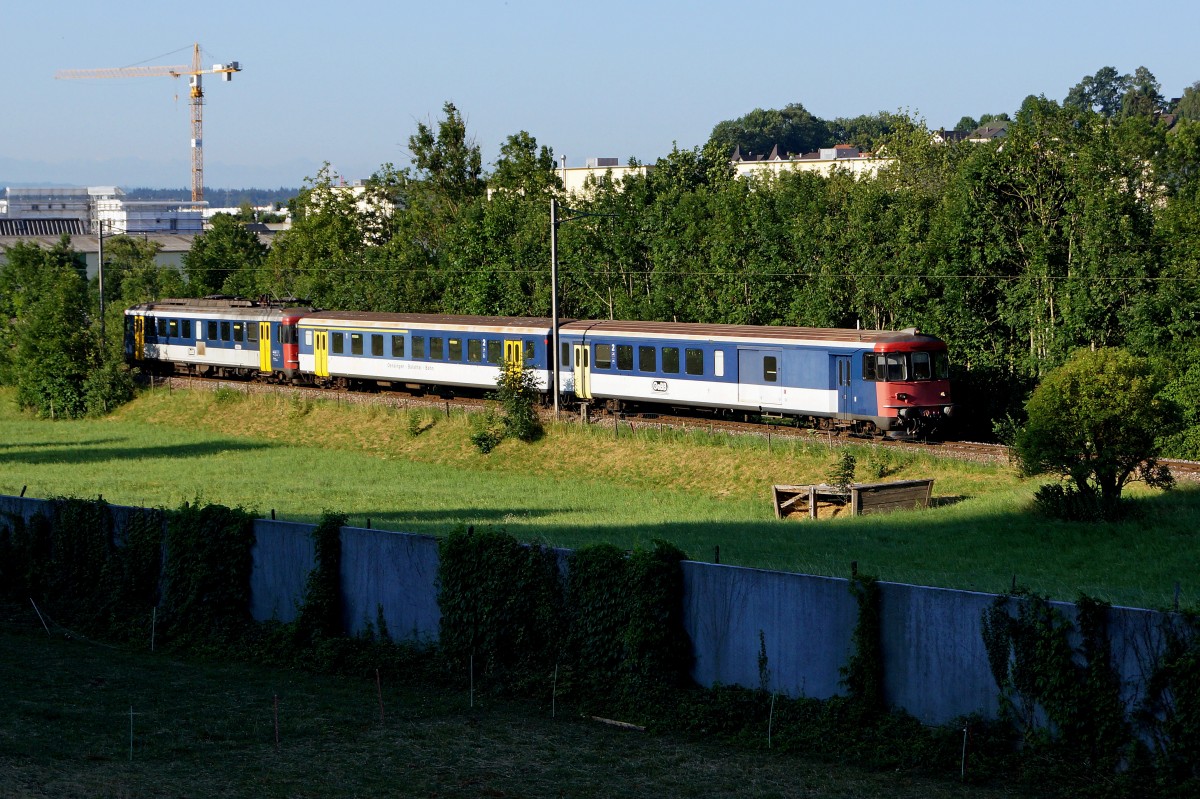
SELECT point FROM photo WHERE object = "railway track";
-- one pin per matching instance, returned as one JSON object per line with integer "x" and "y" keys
{"x": 979, "y": 452}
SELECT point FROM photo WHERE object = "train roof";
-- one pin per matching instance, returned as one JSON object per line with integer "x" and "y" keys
{"x": 232, "y": 305}
{"x": 384, "y": 320}
{"x": 749, "y": 332}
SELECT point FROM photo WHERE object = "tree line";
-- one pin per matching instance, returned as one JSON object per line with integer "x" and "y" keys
{"x": 1078, "y": 229}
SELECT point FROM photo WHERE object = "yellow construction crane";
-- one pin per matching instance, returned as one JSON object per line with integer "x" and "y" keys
{"x": 194, "y": 73}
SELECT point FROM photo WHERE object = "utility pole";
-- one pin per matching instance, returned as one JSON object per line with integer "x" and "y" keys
{"x": 556, "y": 352}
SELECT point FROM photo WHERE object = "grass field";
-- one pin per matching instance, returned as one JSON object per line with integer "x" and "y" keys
{"x": 581, "y": 485}
{"x": 209, "y": 730}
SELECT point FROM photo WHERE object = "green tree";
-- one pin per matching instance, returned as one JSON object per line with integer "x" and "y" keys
{"x": 1144, "y": 96}
{"x": 1102, "y": 92}
{"x": 792, "y": 128}
{"x": 225, "y": 259}
{"x": 966, "y": 123}
{"x": 524, "y": 167}
{"x": 448, "y": 161}
{"x": 1188, "y": 106}
{"x": 865, "y": 131}
{"x": 323, "y": 255}
{"x": 1096, "y": 421}
{"x": 53, "y": 346}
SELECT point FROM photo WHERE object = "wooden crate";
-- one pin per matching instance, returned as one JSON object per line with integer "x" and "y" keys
{"x": 861, "y": 498}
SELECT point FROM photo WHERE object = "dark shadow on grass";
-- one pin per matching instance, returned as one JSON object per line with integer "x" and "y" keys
{"x": 1061, "y": 559}
{"x": 38, "y": 444}
{"x": 59, "y": 454}
{"x": 496, "y": 517}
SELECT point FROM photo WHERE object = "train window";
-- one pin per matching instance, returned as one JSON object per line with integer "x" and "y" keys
{"x": 239, "y": 331}
{"x": 528, "y": 351}
{"x": 941, "y": 366}
{"x": 212, "y": 331}
{"x": 225, "y": 331}
{"x": 671, "y": 360}
{"x": 377, "y": 344}
{"x": 419, "y": 347}
{"x": 564, "y": 362}
{"x": 173, "y": 328}
{"x": 162, "y": 328}
{"x": 893, "y": 367}
{"x": 694, "y": 362}
{"x": 922, "y": 368}
{"x": 187, "y": 328}
{"x": 286, "y": 334}
{"x": 770, "y": 369}
{"x": 356, "y": 344}
{"x": 397, "y": 346}
{"x": 603, "y": 356}
{"x": 495, "y": 351}
{"x": 456, "y": 349}
{"x": 252, "y": 331}
{"x": 338, "y": 345}
{"x": 719, "y": 363}
{"x": 625, "y": 357}
{"x": 647, "y": 359}
{"x": 868, "y": 370}
{"x": 437, "y": 349}
{"x": 475, "y": 350}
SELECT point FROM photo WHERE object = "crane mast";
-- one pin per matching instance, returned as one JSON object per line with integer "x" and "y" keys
{"x": 195, "y": 74}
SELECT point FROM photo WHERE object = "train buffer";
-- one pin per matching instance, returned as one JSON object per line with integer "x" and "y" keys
{"x": 858, "y": 499}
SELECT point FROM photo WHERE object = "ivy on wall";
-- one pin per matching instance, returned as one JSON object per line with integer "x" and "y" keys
{"x": 501, "y": 606}
{"x": 322, "y": 613}
{"x": 863, "y": 674}
{"x": 80, "y": 567}
{"x": 206, "y": 591}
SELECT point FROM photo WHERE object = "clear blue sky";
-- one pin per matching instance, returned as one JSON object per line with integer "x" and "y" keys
{"x": 346, "y": 82}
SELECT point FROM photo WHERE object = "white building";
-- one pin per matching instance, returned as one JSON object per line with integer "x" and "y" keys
{"x": 116, "y": 214}
{"x": 575, "y": 179}
{"x": 824, "y": 161}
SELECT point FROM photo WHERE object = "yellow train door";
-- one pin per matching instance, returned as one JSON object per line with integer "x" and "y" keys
{"x": 514, "y": 354}
{"x": 264, "y": 346}
{"x": 139, "y": 337}
{"x": 583, "y": 372}
{"x": 321, "y": 353}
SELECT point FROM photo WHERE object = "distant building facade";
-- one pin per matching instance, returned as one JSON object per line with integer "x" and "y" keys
{"x": 824, "y": 161}
{"x": 578, "y": 180}
{"x": 77, "y": 211}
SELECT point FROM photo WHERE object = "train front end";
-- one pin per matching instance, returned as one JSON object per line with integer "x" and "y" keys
{"x": 912, "y": 385}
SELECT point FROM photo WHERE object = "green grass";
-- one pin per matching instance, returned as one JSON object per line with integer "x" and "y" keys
{"x": 415, "y": 470}
{"x": 204, "y": 729}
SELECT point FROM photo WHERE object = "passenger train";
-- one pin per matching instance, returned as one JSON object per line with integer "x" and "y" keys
{"x": 871, "y": 381}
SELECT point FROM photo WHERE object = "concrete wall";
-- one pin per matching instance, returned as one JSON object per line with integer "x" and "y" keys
{"x": 935, "y": 663}
{"x": 806, "y": 624}
{"x": 283, "y": 555}
{"x": 394, "y": 574}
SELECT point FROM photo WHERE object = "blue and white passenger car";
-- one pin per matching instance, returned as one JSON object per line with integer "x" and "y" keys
{"x": 420, "y": 351}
